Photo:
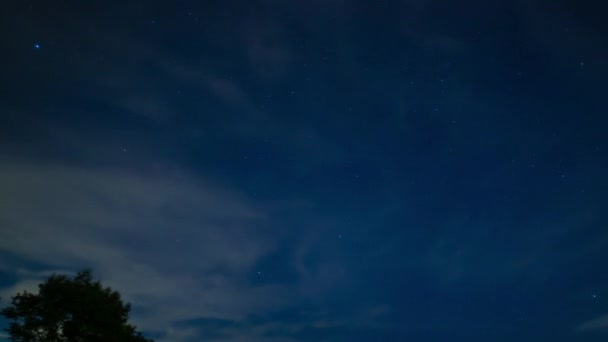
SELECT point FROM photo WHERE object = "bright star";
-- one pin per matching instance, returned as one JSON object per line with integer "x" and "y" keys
{"x": 37, "y": 46}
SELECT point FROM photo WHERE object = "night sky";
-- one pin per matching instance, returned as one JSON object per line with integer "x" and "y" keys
{"x": 321, "y": 170}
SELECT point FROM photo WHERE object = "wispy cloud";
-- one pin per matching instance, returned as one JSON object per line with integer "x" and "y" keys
{"x": 176, "y": 247}
{"x": 181, "y": 249}
{"x": 596, "y": 324}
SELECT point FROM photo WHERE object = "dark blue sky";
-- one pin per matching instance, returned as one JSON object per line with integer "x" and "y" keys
{"x": 313, "y": 170}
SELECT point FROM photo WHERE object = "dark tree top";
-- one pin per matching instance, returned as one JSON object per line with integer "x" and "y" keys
{"x": 70, "y": 310}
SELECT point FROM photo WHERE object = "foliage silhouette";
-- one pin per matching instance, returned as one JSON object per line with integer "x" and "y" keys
{"x": 70, "y": 310}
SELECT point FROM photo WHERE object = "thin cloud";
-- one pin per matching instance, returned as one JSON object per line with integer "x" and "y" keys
{"x": 597, "y": 324}
{"x": 176, "y": 248}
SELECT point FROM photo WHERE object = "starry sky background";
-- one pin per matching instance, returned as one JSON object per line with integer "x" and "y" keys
{"x": 313, "y": 170}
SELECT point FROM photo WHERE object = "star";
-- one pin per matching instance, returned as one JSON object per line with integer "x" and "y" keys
{"x": 36, "y": 46}
{"x": 594, "y": 296}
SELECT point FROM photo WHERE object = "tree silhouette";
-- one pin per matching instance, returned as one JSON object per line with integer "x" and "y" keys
{"x": 70, "y": 310}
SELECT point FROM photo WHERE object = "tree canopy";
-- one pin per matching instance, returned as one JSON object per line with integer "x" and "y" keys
{"x": 67, "y": 309}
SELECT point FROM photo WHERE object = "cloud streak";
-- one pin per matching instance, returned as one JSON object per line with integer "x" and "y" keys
{"x": 177, "y": 248}
{"x": 596, "y": 324}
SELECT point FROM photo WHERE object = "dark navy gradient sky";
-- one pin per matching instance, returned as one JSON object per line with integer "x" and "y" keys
{"x": 313, "y": 170}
